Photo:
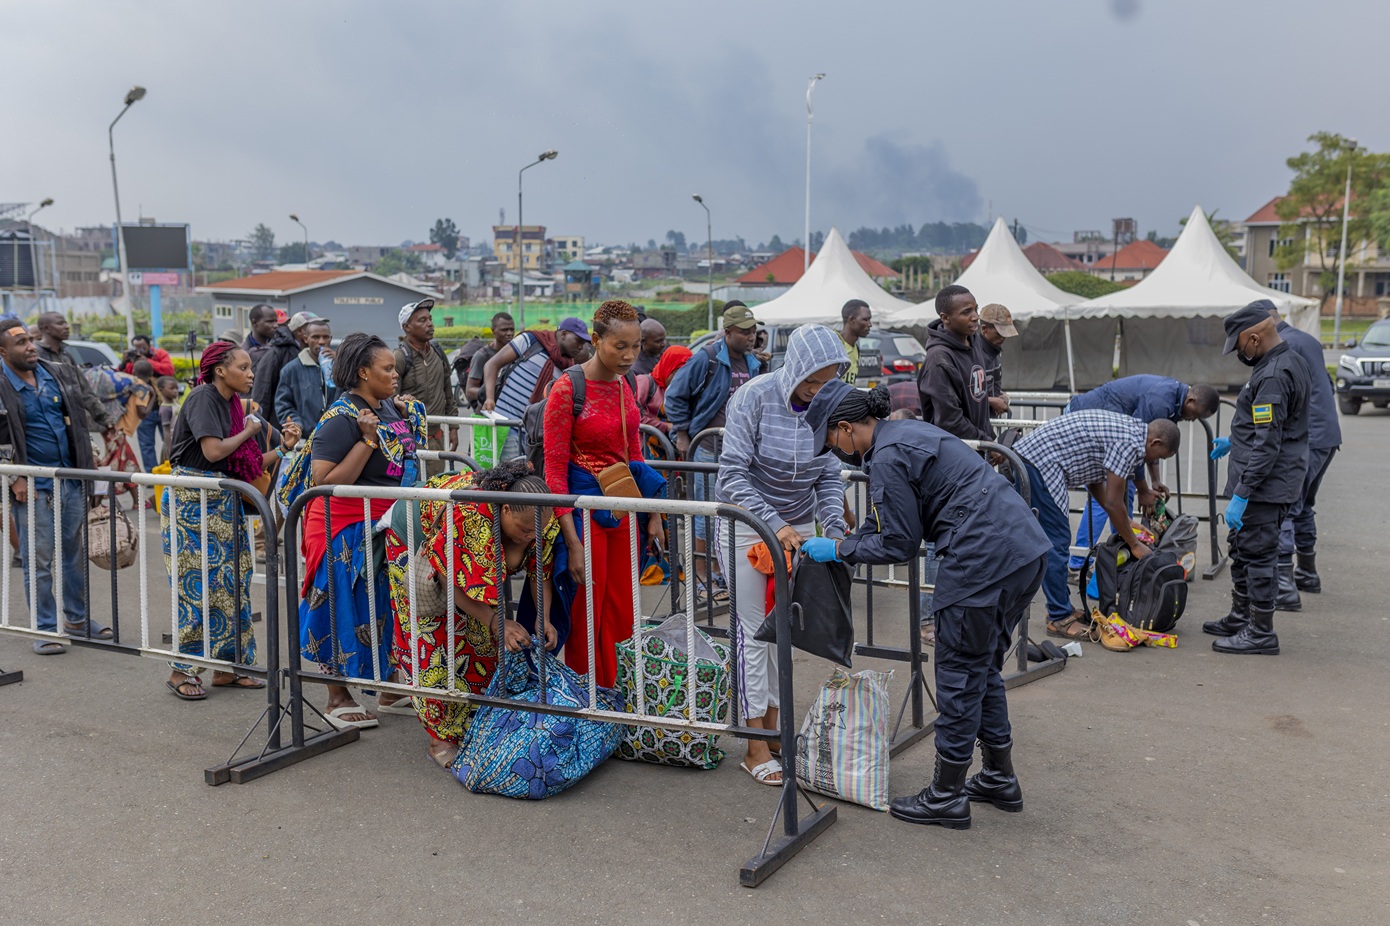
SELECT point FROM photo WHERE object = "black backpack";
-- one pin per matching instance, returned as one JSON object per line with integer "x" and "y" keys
{"x": 533, "y": 422}
{"x": 1148, "y": 593}
{"x": 405, "y": 358}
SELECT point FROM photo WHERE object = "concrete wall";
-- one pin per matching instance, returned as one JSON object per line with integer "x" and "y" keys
{"x": 356, "y": 305}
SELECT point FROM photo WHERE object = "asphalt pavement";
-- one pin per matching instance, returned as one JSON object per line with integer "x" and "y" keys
{"x": 1162, "y": 787}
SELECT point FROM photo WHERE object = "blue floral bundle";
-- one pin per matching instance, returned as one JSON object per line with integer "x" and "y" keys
{"x": 524, "y": 754}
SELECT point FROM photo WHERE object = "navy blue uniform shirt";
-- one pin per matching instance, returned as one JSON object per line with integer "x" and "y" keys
{"x": 1269, "y": 430}
{"x": 1147, "y": 397}
{"x": 1324, "y": 430}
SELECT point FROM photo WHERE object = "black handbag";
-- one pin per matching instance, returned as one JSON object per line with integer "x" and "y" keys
{"x": 824, "y": 625}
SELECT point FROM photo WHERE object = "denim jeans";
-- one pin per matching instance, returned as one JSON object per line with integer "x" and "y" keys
{"x": 704, "y": 453}
{"x": 41, "y": 556}
{"x": 1057, "y": 527}
{"x": 149, "y": 427}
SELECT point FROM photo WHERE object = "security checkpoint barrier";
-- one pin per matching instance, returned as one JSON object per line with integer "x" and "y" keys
{"x": 469, "y": 425}
{"x": 797, "y": 830}
{"x": 150, "y": 642}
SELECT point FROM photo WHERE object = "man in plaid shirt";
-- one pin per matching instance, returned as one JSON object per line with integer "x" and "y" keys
{"x": 1098, "y": 451}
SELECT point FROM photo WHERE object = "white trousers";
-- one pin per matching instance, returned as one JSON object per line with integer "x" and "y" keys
{"x": 756, "y": 661}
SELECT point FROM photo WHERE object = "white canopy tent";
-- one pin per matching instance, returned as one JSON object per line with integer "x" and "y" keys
{"x": 833, "y": 279}
{"x": 1171, "y": 320}
{"x": 1002, "y": 273}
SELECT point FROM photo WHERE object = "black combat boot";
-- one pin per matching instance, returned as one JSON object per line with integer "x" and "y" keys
{"x": 1256, "y": 639}
{"x": 995, "y": 782}
{"x": 943, "y": 802}
{"x": 1233, "y": 622}
{"x": 1306, "y": 575}
{"x": 1288, "y": 598}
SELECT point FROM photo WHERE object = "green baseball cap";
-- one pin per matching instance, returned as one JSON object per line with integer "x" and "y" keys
{"x": 739, "y": 316}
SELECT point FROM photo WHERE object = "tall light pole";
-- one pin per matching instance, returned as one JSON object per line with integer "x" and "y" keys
{"x": 709, "y": 241}
{"x": 1342, "y": 254}
{"x": 133, "y": 96}
{"x": 521, "y": 254}
{"x": 33, "y": 258}
{"x": 810, "y": 115}
{"x": 295, "y": 219}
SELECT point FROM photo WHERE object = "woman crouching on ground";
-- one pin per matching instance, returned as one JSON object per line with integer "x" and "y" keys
{"x": 477, "y": 579}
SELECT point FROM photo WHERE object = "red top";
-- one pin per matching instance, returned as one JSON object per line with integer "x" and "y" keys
{"x": 159, "y": 359}
{"x": 592, "y": 441}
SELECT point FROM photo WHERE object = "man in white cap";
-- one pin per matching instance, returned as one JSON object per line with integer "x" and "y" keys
{"x": 423, "y": 369}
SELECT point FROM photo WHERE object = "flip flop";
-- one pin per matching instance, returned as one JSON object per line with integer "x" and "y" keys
{"x": 762, "y": 774}
{"x": 241, "y": 681}
{"x": 49, "y": 648}
{"x": 335, "y": 717}
{"x": 444, "y": 758}
{"x": 405, "y": 707}
{"x": 99, "y": 631}
{"x": 189, "y": 680}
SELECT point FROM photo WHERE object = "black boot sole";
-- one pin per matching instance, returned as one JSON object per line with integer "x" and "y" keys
{"x": 1310, "y": 589}
{"x": 1264, "y": 651}
{"x": 1006, "y": 806}
{"x": 1287, "y": 607}
{"x": 949, "y": 824}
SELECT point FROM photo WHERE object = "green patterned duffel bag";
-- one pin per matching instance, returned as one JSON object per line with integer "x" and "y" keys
{"x": 664, "y": 670}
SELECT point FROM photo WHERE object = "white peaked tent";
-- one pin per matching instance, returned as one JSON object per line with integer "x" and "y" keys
{"x": 833, "y": 279}
{"x": 1041, "y": 357}
{"x": 1171, "y": 320}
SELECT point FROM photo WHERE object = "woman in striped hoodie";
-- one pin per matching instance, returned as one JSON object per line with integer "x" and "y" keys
{"x": 771, "y": 466}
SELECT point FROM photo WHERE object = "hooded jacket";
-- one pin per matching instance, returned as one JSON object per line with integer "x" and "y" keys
{"x": 771, "y": 463}
{"x": 283, "y": 348}
{"x": 954, "y": 385}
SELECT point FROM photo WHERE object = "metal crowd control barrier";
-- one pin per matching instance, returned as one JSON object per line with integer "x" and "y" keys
{"x": 234, "y": 769}
{"x": 797, "y": 831}
{"x": 456, "y": 422}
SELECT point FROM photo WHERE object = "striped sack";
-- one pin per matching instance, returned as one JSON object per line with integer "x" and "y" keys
{"x": 843, "y": 747}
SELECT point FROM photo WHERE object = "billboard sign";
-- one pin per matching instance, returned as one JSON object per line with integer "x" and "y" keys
{"x": 157, "y": 247}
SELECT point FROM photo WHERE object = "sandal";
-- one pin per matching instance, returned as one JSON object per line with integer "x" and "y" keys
{"x": 49, "y": 648}
{"x": 929, "y": 632}
{"x": 189, "y": 681}
{"x": 443, "y": 753}
{"x": 1075, "y": 627}
{"x": 338, "y": 718}
{"x": 98, "y": 631}
{"x": 762, "y": 774}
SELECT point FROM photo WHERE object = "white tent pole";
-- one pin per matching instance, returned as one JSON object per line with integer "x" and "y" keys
{"x": 1071, "y": 359}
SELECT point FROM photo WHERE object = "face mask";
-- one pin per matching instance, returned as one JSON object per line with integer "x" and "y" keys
{"x": 1248, "y": 361}
{"x": 852, "y": 459}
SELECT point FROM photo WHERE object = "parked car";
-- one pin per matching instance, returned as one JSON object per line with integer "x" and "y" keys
{"x": 1363, "y": 372}
{"x": 901, "y": 352}
{"x": 93, "y": 354}
{"x": 774, "y": 338}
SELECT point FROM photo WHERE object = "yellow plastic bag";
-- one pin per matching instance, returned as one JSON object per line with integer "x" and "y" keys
{"x": 164, "y": 469}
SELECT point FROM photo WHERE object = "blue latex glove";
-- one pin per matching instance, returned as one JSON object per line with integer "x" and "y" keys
{"x": 1220, "y": 447}
{"x": 821, "y": 550}
{"x": 1235, "y": 512}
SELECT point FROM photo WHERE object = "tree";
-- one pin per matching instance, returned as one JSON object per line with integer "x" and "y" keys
{"x": 397, "y": 261}
{"x": 651, "y": 245}
{"x": 263, "y": 242}
{"x": 676, "y": 238}
{"x": 1081, "y": 283}
{"x": 776, "y": 245}
{"x": 446, "y": 234}
{"x": 292, "y": 253}
{"x": 1311, "y": 212}
{"x": 817, "y": 240}
{"x": 1225, "y": 233}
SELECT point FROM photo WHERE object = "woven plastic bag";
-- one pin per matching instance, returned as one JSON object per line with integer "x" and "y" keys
{"x": 529, "y": 755}
{"x": 664, "y": 680}
{"x": 843, "y": 747}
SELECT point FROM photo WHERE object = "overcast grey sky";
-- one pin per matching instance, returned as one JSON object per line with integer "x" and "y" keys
{"x": 371, "y": 120}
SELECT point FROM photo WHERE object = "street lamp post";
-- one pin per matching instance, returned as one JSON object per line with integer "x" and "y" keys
{"x": 33, "y": 255}
{"x": 1342, "y": 254}
{"x": 295, "y": 219}
{"x": 133, "y": 96}
{"x": 520, "y": 253}
{"x": 709, "y": 241}
{"x": 810, "y": 115}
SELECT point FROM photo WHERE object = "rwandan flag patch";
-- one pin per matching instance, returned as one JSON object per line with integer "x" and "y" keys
{"x": 1262, "y": 414}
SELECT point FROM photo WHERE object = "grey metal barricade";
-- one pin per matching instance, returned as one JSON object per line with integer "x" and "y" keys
{"x": 150, "y": 644}
{"x": 797, "y": 831}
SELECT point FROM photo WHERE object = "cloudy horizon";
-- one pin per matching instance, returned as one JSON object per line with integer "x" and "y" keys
{"x": 371, "y": 122}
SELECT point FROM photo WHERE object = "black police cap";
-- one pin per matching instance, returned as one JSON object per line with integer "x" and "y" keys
{"x": 1243, "y": 319}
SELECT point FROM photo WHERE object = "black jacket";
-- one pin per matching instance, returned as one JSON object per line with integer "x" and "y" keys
{"x": 953, "y": 385}
{"x": 13, "y": 423}
{"x": 283, "y": 348}
{"x": 993, "y": 358}
{"x": 1269, "y": 431}
{"x": 926, "y": 485}
{"x": 97, "y": 412}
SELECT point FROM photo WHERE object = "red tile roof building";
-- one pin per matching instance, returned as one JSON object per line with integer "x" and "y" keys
{"x": 786, "y": 269}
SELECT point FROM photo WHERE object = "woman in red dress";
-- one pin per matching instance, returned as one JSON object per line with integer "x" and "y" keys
{"x": 606, "y": 431}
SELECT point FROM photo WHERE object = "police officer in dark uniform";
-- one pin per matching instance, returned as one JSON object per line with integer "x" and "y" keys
{"x": 926, "y": 485}
{"x": 1269, "y": 458}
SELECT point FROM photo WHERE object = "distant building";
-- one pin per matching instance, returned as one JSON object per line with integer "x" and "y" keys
{"x": 1046, "y": 257}
{"x": 1134, "y": 261}
{"x": 786, "y": 268}
{"x": 352, "y": 300}
{"x": 367, "y": 255}
{"x": 1367, "y": 272}
{"x": 431, "y": 256}
{"x": 533, "y": 250}
{"x": 568, "y": 248}
{"x": 581, "y": 281}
